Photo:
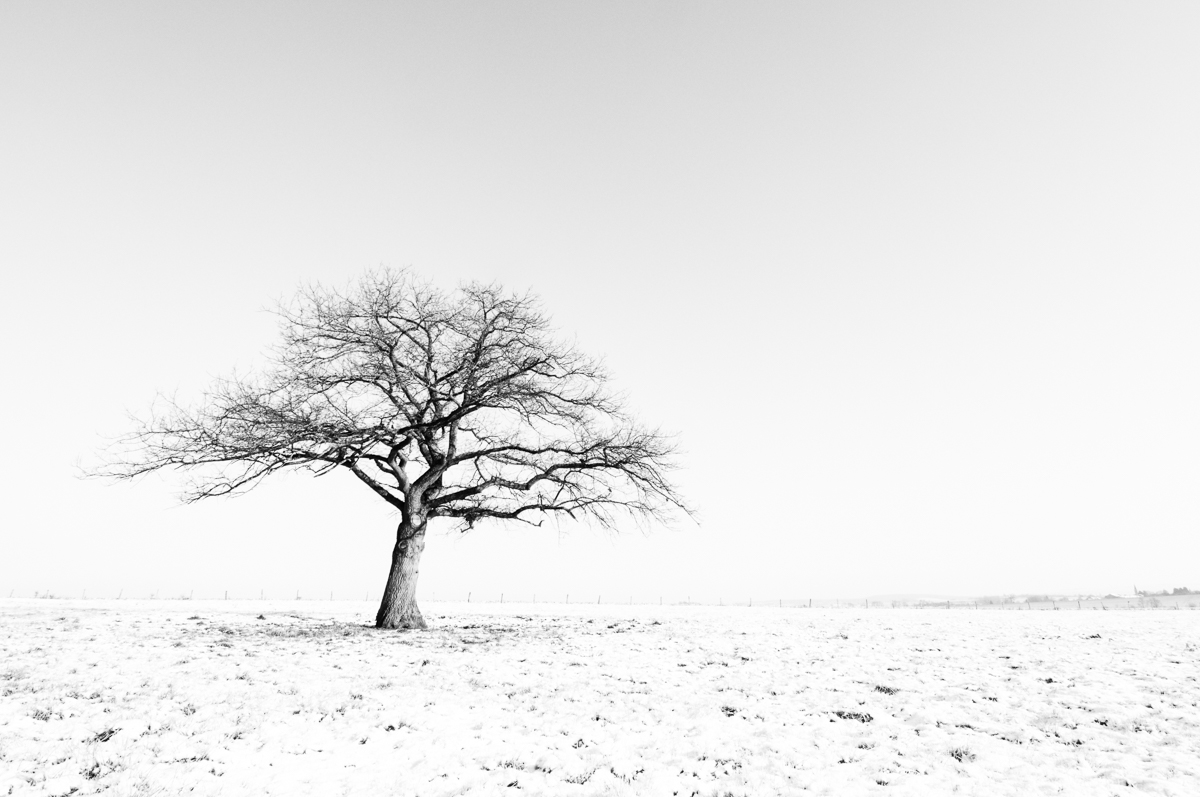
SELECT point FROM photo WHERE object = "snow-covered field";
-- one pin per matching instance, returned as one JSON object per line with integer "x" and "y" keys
{"x": 175, "y": 697}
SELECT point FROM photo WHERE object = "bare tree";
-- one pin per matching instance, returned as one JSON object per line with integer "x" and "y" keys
{"x": 461, "y": 406}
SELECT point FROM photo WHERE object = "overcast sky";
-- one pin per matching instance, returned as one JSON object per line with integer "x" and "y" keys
{"x": 916, "y": 284}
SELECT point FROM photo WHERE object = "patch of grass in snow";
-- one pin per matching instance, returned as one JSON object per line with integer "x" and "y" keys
{"x": 75, "y": 694}
{"x": 581, "y": 778}
{"x": 328, "y": 630}
{"x": 887, "y": 690}
{"x": 853, "y": 715}
{"x": 962, "y": 754}
{"x": 627, "y": 778}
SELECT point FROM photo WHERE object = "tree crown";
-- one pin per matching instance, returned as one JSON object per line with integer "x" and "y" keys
{"x": 461, "y": 405}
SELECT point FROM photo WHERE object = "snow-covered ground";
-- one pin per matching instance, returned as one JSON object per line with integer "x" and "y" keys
{"x": 174, "y": 697}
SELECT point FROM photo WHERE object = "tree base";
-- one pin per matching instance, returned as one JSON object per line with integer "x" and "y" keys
{"x": 410, "y": 620}
{"x": 410, "y": 624}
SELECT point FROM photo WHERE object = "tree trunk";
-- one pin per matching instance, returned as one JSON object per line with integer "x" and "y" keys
{"x": 399, "y": 606}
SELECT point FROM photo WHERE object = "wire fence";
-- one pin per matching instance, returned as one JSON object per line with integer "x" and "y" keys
{"x": 1189, "y": 601}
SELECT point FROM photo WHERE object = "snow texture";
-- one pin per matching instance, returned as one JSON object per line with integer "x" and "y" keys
{"x": 209, "y": 698}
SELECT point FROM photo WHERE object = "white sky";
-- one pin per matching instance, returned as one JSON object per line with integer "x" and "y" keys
{"x": 916, "y": 283}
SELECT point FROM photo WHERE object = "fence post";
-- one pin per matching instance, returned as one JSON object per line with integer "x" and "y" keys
{"x": 468, "y": 597}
